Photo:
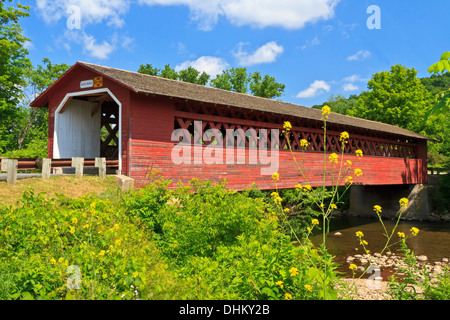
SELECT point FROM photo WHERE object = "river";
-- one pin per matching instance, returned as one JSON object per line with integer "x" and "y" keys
{"x": 433, "y": 239}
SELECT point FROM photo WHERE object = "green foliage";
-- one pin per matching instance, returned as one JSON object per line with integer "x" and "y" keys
{"x": 41, "y": 239}
{"x": 13, "y": 68}
{"x": 234, "y": 79}
{"x": 192, "y": 75}
{"x": 266, "y": 87}
{"x": 339, "y": 104}
{"x": 396, "y": 97}
{"x": 229, "y": 243}
{"x": 419, "y": 283}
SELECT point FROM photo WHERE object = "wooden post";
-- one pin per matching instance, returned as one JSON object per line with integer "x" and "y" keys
{"x": 78, "y": 164}
{"x": 46, "y": 168}
{"x": 100, "y": 163}
{"x": 12, "y": 171}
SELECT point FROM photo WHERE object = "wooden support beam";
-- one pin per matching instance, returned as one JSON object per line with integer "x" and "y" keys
{"x": 65, "y": 106}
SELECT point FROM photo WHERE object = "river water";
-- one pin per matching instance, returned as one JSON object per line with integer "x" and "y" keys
{"x": 433, "y": 239}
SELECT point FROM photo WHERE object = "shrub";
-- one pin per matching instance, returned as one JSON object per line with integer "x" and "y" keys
{"x": 45, "y": 243}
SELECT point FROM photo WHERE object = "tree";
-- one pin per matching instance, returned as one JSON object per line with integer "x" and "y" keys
{"x": 35, "y": 120}
{"x": 169, "y": 73}
{"x": 396, "y": 97}
{"x": 148, "y": 69}
{"x": 14, "y": 66}
{"x": 192, "y": 75}
{"x": 442, "y": 69}
{"x": 234, "y": 79}
{"x": 238, "y": 80}
{"x": 339, "y": 103}
{"x": 266, "y": 87}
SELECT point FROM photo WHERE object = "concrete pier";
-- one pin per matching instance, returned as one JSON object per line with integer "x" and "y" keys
{"x": 363, "y": 198}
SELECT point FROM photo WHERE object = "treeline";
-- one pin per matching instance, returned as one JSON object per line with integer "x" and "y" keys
{"x": 234, "y": 79}
{"x": 399, "y": 98}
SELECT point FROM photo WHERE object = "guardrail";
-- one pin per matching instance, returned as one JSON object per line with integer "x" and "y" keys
{"x": 11, "y": 166}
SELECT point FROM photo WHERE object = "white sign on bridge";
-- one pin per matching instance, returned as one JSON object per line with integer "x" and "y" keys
{"x": 86, "y": 84}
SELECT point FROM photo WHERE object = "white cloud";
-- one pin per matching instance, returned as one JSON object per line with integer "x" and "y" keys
{"x": 288, "y": 14}
{"x": 91, "y": 11}
{"x": 311, "y": 43}
{"x": 265, "y": 54}
{"x": 349, "y": 82}
{"x": 360, "y": 55}
{"x": 350, "y": 87}
{"x": 91, "y": 46}
{"x": 211, "y": 65}
{"x": 316, "y": 88}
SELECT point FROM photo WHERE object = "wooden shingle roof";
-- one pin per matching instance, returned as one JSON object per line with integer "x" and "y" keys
{"x": 147, "y": 84}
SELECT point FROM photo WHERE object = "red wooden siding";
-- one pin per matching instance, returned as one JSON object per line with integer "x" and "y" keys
{"x": 376, "y": 170}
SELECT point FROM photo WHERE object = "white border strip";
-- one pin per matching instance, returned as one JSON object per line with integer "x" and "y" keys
{"x": 56, "y": 153}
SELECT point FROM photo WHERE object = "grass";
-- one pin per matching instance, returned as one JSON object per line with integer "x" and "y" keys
{"x": 66, "y": 185}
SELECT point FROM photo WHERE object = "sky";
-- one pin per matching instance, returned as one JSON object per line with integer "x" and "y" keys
{"x": 317, "y": 48}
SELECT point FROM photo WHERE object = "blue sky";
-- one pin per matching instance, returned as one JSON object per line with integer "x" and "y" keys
{"x": 315, "y": 47}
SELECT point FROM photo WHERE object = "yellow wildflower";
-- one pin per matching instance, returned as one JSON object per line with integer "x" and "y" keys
{"x": 333, "y": 158}
{"x": 280, "y": 284}
{"x": 117, "y": 242}
{"x": 353, "y": 266}
{"x": 52, "y": 261}
{"x": 288, "y": 296}
{"x": 308, "y": 287}
{"x": 298, "y": 187}
{"x": 276, "y": 176}
{"x": 358, "y": 172}
{"x": 349, "y": 179}
{"x": 344, "y": 136}
{"x": 325, "y": 112}
{"x": 286, "y": 210}
{"x": 401, "y": 234}
{"x": 404, "y": 202}
{"x": 359, "y": 234}
{"x": 322, "y": 205}
{"x": 348, "y": 163}
{"x": 102, "y": 253}
{"x": 287, "y": 126}
{"x": 60, "y": 260}
{"x": 309, "y": 229}
{"x": 377, "y": 209}
{"x": 359, "y": 153}
{"x": 304, "y": 143}
{"x": 135, "y": 275}
{"x": 315, "y": 222}
{"x": 293, "y": 271}
{"x": 307, "y": 187}
{"x": 414, "y": 231}
{"x": 363, "y": 242}
{"x": 74, "y": 220}
{"x": 333, "y": 206}
{"x": 72, "y": 229}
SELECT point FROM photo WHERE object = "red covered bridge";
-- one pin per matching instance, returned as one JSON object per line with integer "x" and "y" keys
{"x": 97, "y": 111}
